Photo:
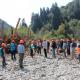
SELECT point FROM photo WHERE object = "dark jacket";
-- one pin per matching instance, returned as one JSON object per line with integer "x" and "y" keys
{"x": 53, "y": 45}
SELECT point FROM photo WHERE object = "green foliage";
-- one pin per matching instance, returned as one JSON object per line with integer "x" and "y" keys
{"x": 57, "y": 22}
{"x": 56, "y": 17}
{"x": 22, "y": 31}
{"x": 36, "y": 22}
{"x": 47, "y": 16}
{"x": 61, "y": 29}
{"x": 25, "y": 31}
{"x": 74, "y": 26}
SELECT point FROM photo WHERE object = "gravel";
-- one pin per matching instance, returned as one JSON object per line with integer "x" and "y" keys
{"x": 41, "y": 68}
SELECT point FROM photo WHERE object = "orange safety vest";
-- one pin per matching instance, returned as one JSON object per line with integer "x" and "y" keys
{"x": 77, "y": 50}
{"x": 3, "y": 45}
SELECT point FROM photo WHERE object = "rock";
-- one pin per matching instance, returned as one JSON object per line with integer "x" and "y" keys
{"x": 43, "y": 75}
{"x": 41, "y": 68}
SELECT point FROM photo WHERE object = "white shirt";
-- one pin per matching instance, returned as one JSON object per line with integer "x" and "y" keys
{"x": 44, "y": 44}
{"x": 78, "y": 44}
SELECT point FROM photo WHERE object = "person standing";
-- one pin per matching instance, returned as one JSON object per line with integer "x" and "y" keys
{"x": 78, "y": 52}
{"x": 48, "y": 46}
{"x": 21, "y": 51}
{"x": 39, "y": 44}
{"x": 61, "y": 46}
{"x": 2, "y": 55}
{"x": 58, "y": 46}
{"x": 31, "y": 49}
{"x": 64, "y": 48}
{"x": 44, "y": 44}
{"x": 53, "y": 46}
{"x": 73, "y": 45}
{"x": 13, "y": 49}
{"x": 68, "y": 46}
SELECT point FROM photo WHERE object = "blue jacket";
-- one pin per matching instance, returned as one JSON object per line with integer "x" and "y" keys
{"x": 12, "y": 47}
{"x": 1, "y": 52}
{"x": 21, "y": 49}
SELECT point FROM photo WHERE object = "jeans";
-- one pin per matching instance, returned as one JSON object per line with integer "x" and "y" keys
{"x": 45, "y": 52}
{"x": 64, "y": 53}
{"x": 73, "y": 52}
{"x": 3, "y": 61}
{"x": 31, "y": 53}
{"x": 39, "y": 50}
{"x": 79, "y": 57}
{"x": 21, "y": 56}
{"x": 13, "y": 55}
{"x": 53, "y": 53}
{"x": 68, "y": 51}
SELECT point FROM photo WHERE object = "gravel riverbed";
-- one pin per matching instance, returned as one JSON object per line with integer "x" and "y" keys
{"x": 41, "y": 68}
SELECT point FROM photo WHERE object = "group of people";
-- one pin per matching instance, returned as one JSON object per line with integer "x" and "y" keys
{"x": 68, "y": 47}
{"x": 12, "y": 48}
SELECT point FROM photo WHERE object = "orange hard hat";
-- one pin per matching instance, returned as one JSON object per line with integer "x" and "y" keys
{"x": 3, "y": 45}
{"x": 21, "y": 42}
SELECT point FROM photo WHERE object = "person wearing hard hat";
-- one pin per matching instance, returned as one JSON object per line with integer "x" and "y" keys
{"x": 2, "y": 55}
{"x": 58, "y": 46}
{"x": 31, "y": 49}
{"x": 13, "y": 49}
{"x": 48, "y": 46}
{"x": 39, "y": 45}
{"x": 68, "y": 46}
{"x": 21, "y": 51}
{"x": 44, "y": 45}
{"x": 73, "y": 45}
{"x": 78, "y": 52}
{"x": 65, "y": 48}
{"x": 3, "y": 45}
{"x": 53, "y": 48}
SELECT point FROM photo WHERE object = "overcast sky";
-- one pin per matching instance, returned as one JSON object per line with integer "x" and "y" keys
{"x": 11, "y": 10}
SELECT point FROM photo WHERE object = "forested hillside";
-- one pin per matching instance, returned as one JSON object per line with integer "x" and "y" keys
{"x": 5, "y": 28}
{"x": 4, "y": 24}
{"x": 56, "y": 20}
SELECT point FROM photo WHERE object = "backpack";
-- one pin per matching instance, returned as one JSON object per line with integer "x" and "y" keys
{"x": 12, "y": 47}
{"x": 74, "y": 45}
{"x": 1, "y": 52}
